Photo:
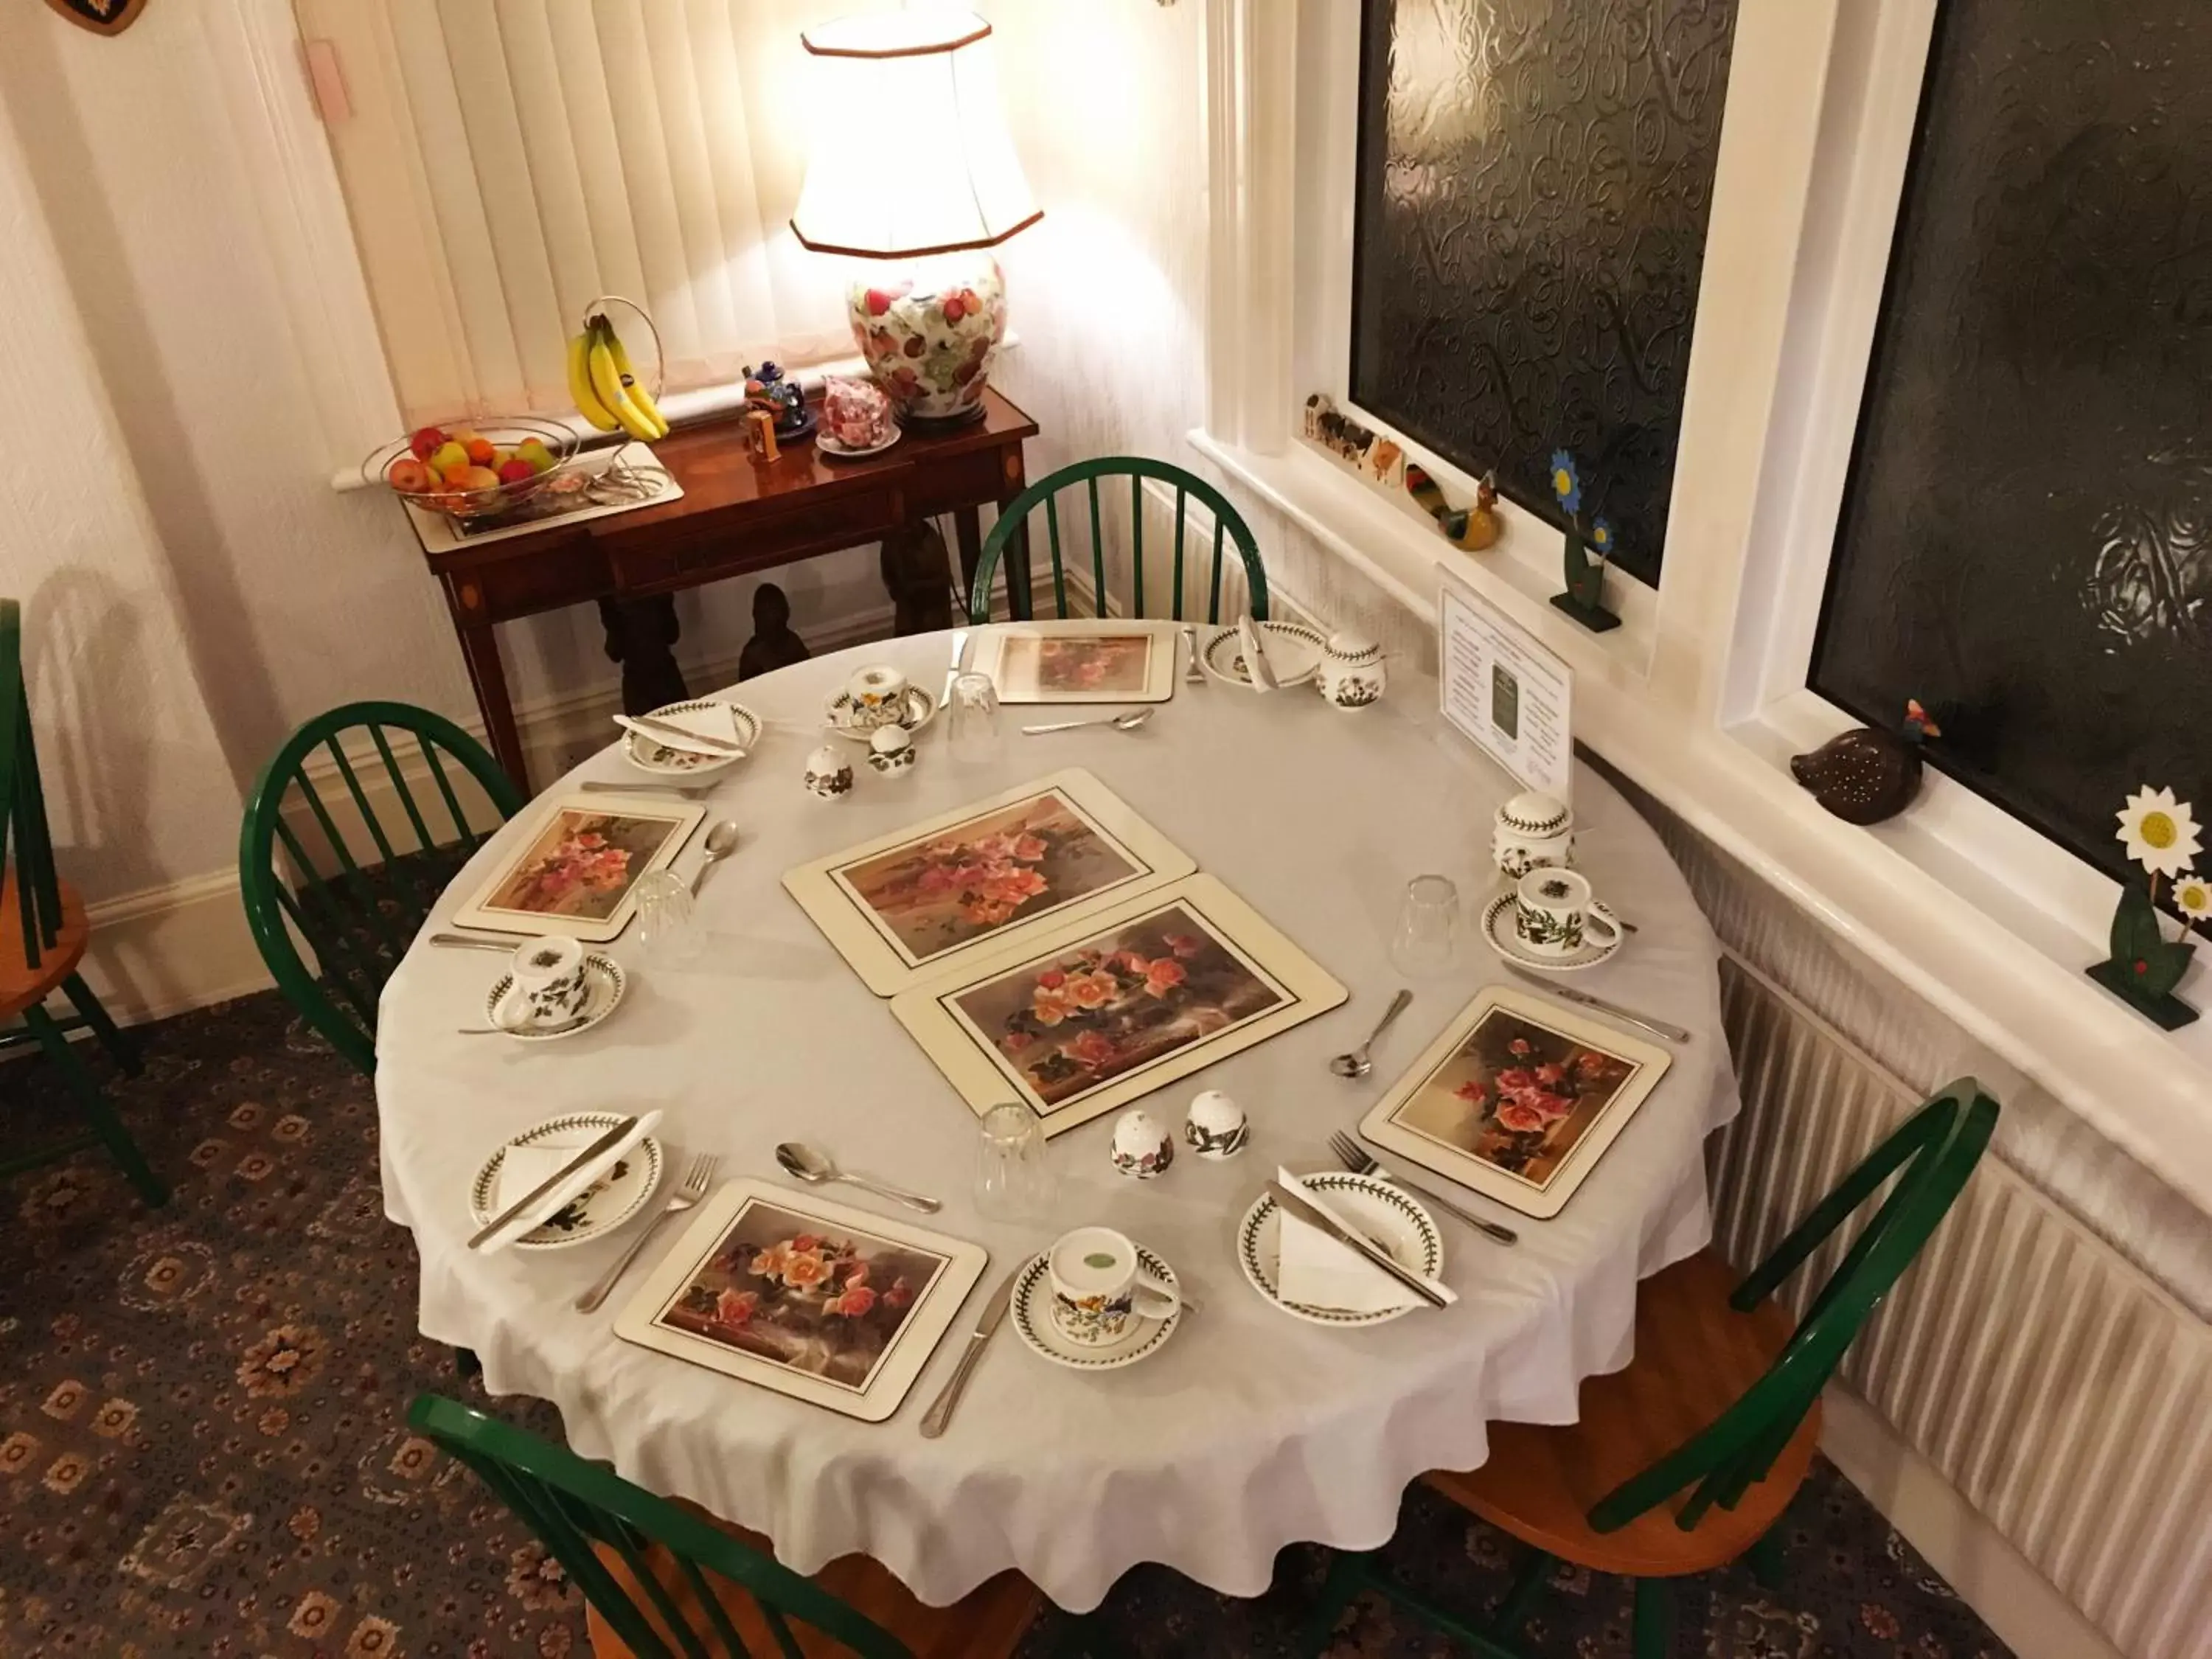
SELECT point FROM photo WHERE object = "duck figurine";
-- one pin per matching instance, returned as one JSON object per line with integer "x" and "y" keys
{"x": 1864, "y": 776}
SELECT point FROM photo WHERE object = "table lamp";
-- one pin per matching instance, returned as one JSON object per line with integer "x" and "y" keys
{"x": 911, "y": 165}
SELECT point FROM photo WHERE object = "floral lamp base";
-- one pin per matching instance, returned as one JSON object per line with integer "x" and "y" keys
{"x": 930, "y": 331}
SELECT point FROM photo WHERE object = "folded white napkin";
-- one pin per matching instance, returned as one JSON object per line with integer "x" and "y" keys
{"x": 718, "y": 722}
{"x": 524, "y": 1167}
{"x": 1318, "y": 1270}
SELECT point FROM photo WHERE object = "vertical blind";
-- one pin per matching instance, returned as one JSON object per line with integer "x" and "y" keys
{"x": 504, "y": 161}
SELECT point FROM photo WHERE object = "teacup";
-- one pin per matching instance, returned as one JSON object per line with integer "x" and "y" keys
{"x": 1553, "y": 911}
{"x": 877, "y": 695}
{"x": 549, "y": 986}
{"x": 1098, "y": 1286}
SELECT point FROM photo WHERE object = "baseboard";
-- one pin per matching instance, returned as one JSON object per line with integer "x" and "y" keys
{"x": 2027, "y": 1613}
{"x": 172, "y": 949}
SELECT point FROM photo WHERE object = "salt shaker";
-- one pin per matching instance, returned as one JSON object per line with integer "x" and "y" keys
{"x": 1141, "y": 1147}
{"x": 828, "y": 774}
{"x": 1215, "y": 1126}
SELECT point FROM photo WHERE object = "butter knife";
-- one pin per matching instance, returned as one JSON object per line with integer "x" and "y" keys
{"x": 505, "y": 946}
{"x": 993, "y": 1314}
{"x": 1192, "y": 673}
{"x": 671, "y": 736}
{"x": 1658, "y": 1028}
{"x": 1436, "y": 1296}
{"x": 952, "y": 673}
{"x": 1255, "y": 656}
{"x": 689, "y": 790}
{"x": 604, "y": 1143}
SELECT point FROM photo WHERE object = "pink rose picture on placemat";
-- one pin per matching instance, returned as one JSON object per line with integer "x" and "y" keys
{"x": 967, "y": 882}
{"x": 1516, "y": 1097}
{"x": 1070, "y": 1022}
{"x": 789, "y": 1289}
{"x": 584, "y": 864}
{"x": 1039, "y": 667}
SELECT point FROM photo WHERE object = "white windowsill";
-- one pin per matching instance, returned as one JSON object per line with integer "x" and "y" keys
{"x": 1900, "y": 894}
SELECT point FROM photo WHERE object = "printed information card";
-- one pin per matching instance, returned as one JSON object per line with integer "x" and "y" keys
{"x": 1505, "y": 690}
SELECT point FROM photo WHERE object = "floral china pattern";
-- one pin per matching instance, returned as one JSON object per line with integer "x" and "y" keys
{"x": 930, "y": 349}
{"x": 1524, "y": 1103}
{"x": 1541, "y": 927}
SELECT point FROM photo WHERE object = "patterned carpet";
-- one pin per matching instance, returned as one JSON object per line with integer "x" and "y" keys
{"x": 201, "y": 1450}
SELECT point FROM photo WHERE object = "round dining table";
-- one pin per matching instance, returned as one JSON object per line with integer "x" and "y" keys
{"x": 1248, "y": 1429}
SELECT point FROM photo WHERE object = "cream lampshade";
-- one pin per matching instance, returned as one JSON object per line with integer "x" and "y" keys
{"x": 911, "y": 164}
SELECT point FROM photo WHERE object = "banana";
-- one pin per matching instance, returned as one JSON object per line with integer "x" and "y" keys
{"x": 579, "y": 384}
{"x": 632, "y": 384}
{"x": 607, "y": 381}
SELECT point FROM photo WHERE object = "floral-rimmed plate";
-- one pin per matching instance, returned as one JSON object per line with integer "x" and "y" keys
{"x": 1377, "y": 1208}
{"x": 1498, "y": 928}
{"x": 837, "y": 715}
{"x": 611, "y": 1200}
{"x": 604, "y": 985}
{"x": 648, "y": 756}
{"x": 1032, "y": 1307}
{"x": 1294, "y": 651}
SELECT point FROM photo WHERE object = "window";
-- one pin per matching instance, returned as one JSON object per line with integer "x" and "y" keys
{"x": 1535, "y": 180}
{"x": 503, "y": 165}
{"x": 2026, "y": 543}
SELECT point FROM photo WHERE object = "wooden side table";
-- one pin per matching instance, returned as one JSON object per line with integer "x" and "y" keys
{"x": 736, "y": 517}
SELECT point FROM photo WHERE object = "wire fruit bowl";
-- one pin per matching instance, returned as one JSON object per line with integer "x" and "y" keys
{"x": 504, "y": 433}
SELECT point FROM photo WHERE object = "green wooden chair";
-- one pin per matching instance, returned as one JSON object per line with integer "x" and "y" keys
{"x": 361, "y": 901}
{"x": 39, "y": 956}
{"x": 665, "y": 1579}
{"x": 1012, "y": 526}
{"x": 1686, "y": 1460}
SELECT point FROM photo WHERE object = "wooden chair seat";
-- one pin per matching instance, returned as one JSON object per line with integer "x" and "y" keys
{"x": 1695, "y": 1357}
{"x": 21, "y": 984}
{"x": 988, "y": 1623}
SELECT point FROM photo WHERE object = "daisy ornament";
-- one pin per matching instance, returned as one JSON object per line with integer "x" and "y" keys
{"x": 2161, "y": 832}
{"x": 2192, "y": 896}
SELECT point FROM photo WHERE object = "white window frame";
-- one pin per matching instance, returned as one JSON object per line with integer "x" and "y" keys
{"x": 1701, "y": 695}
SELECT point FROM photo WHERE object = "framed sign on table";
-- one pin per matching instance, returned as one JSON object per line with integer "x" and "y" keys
{"x": 916, "y": 904}
{"x": 578, "y": 869}
{"x": 815, "y": 1299}
{"x": 1517, "y": 1100}
{"x": 1104, "y": 661}
{"x": 1090, "y": 1017}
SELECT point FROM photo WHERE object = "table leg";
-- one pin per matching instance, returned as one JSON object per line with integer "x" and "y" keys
{"x": 918, "y": 575}
{"x": 641, "y": 636}
{"x": 480, "y": 651}
{"x": 967, "y": 526}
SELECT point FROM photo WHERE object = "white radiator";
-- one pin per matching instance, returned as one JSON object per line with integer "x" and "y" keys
{"x": 2059, "y": 1390}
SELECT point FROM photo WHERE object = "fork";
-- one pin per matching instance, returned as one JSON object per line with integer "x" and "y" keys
{"x": 1356, "y": 1158}
{"x": 696, "y": 1180}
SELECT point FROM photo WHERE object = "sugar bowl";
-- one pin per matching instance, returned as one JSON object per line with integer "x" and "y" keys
{"x": 1352, "y": 673}
{"x": 1531, "y": 830}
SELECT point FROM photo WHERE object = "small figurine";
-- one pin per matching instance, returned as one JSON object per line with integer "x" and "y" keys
{"x": 1482, "y": 529}
{"x": 1459, "y": 524}
{"x": 1141, "y": 1147}
{"x": 891, "y": 751}
{"x": 1864, "y": 775}
{"x": 1584, "y": 600}
{"x": 1352, "y": 673}
{"x": 828, "y": 774}
{"x": 774, "y": 644}
{"x": 1216, "y": 1126}
{"x": 760, "y": 437}
{"x": 2160, "y": 831}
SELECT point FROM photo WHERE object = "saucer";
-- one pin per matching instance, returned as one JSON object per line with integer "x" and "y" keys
{"x": 1294, "y": 651}
{"x": 648, "y": 756}
{"x": 830, "y": 449}
{"x": 1370, "y": 1203}
{"x": 1032, "y": 1307}
{"x": 1498, "y": 928}
{"x": 613, "y": 1198}
{"x": 837, "y": 715}
{"x": 604, "y": 985}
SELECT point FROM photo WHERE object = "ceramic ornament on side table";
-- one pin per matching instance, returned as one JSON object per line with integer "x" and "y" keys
{"x": 1866, "y": 776}
{"x": 1352, "y": 674}
{"x": 1141, "y": 1148}
{"x": 1216, "y": 1126}
{"x": 828, "y": 774}
{"x": 2160, "y": 832}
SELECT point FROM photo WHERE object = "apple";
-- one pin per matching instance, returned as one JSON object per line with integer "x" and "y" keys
{"x": 449, "y": 458}
{"x": 425, "y": 443}
{"x": 482, "y": 452}
{"x": 516, "y": 470}
{"x": 410, "y": 475}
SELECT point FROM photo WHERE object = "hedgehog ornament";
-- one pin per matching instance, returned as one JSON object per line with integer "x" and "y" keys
{"x": 1866, "y": 776}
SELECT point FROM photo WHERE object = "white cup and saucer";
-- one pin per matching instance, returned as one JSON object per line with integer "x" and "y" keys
{"x": 1551, "y": 920}
{"x": 1096, "y": 1300}
{"x": 554, "y": 988}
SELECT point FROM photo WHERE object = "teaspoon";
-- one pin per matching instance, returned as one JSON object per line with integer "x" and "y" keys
{"x": 721, "y": 841}
{"x": 815, "y": 1169}
{"x": 1119, "y": 722}
{"x": 1356, "y": 1063}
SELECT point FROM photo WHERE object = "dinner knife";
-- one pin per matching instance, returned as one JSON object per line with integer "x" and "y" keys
{"x": 1436, "y": 1296}
{"x": 1658, "y": 1028}
{"x": 604, "y": 1143}
{"x": 505, "y": 946}
{"x": 960, "y": 656}
{"x": 993, "y": 1314}
{"x": 1255, "y": 656}
{"x": 689, "y": 790}
{"x": 672, "y": 735}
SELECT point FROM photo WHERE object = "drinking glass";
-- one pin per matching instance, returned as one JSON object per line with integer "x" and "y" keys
{"x": 1427, "y": 939}
{"x": 971, "y": 721}
{"x": 1013, "y": 1181}
{"x": 668, "y": 930}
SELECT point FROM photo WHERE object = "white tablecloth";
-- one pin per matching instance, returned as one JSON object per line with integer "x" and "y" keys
{"x": 1251, "y": 1430}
